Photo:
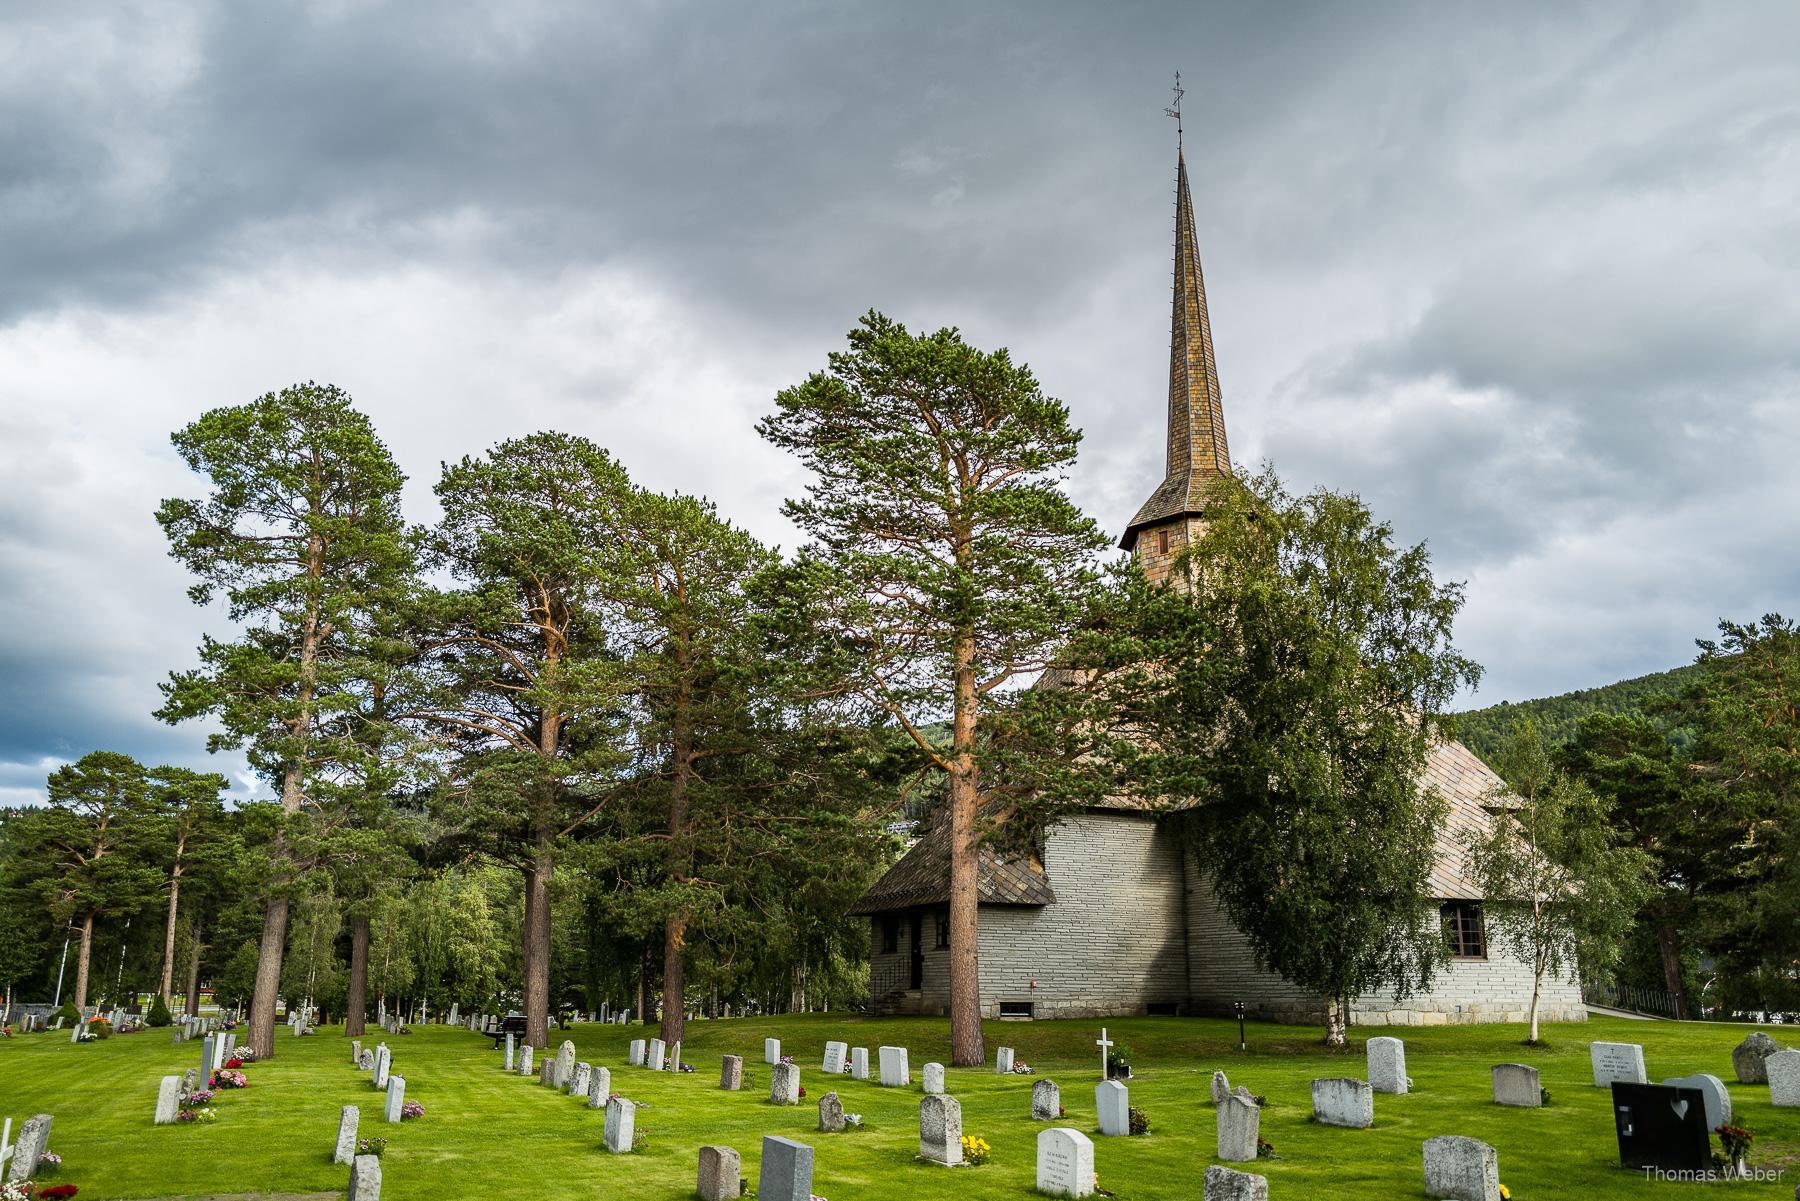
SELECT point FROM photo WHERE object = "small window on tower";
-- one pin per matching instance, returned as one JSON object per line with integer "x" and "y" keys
{"x": 1162, "y": 542}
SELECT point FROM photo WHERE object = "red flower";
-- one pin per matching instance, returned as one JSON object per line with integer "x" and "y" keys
{"x": 234, "y": 1062}
{"x": 57, "y": 1191}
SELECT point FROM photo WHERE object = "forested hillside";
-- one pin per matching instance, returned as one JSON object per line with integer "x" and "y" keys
{"x": 1485, "y": 731}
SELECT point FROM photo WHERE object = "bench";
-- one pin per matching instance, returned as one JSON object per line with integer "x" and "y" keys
{"x": 515, "y": 1024}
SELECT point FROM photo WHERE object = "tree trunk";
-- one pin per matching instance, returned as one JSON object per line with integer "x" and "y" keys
{"x": 1670, "y": 950}
{"x": 168, "y": 964}
{"x": 191, "y": 1005}
{"x": 966, "y": 1046}
{"x": 356, "y": 1001}
{"x": 81, "y": 964}
{"x": 537, "y": 944}
{"x": 1537, "y": 991}
{"x": 1337, "y": 1014}
{"x": 641, "y": 1012}
{"x": 268, "y": 977}
{"x": 674, "y": 989}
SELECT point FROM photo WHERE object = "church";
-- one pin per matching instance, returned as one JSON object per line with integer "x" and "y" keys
{"x": 1112, "y": 916}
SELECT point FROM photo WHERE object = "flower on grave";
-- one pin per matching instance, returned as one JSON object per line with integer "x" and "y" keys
{"x": 787, "y": 1059}
{"x": 243, "y": 1055}
{"x": 50, "y": 1160}
{"x": 226, "y": 1078}
{"x": 1264, "y": 1148}
{"x": 202, "y": 1114}
{"x": 1021, "y": 1068}
{"x": 1137, "y": 1121}
{"x": 18, "y": 1190}
{"x": 412, "y": 1109}
{"x": 234, "y": 1062}
{"x": 802, "y": 1090}
{"x": 371, "y": 1146}
{"x": 57, "y": 1192}
{"x": 197, "y": 1098}
{"x": 975, "y": 1149}
{"x": 1505, "y": 1193}
{"x": 1061, "y": 1112}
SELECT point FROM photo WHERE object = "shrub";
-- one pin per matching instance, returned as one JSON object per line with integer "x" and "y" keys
{"x": 1139, "y": 1121}
{"x": 100, "y": 1028}
{"x": 67, "y": 1012}
{"x": 159, "y": 1013}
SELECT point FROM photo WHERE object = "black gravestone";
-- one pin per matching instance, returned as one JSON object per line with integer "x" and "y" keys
{"x": 1661, "y": 1126}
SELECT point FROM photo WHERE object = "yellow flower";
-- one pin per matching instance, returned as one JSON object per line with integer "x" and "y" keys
{"x": 1505, "y": 1193}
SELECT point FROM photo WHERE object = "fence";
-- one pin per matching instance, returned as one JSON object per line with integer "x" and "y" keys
{"x": 1630, "y": 996}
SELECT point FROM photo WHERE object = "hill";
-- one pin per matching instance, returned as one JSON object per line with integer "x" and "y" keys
{"x": 1486, "y": 731}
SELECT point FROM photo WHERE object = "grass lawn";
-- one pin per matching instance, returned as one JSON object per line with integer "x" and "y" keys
{"x": 488, "y": 1134}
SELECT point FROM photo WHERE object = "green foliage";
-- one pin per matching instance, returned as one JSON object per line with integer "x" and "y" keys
{"x": 1489, "y": 731}
{"x": 1286, "y": 689}
{"x": 159, "y": 1013}
{"x": 236, "y": 981}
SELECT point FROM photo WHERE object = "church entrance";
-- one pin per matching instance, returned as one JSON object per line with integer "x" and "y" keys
{"x": 916, "y": 945}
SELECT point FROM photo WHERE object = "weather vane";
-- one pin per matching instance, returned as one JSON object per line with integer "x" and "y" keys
{"x": 1174, "y": 110}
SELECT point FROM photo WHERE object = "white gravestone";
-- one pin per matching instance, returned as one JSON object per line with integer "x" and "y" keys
{"x": 859, "y": 1063}
{"x": 934, "y": 1078}
{"x": 1228, "y": 1184}
{"x": 511, "y": 1052}
{"x": 599, "y": 1088}
{"x": 396, "y": 1098}
{"x": 1240, "y": 1122}
{"x": 34, "y": 1137}
{"x": 621, "y": 1120}
{"x": 1783, "y": 1068}
{"x": 771, "y": 1050}
{"x": 675, "y": 1056}
{"x": 206, "y": 1056}
{"x": 784, "y": 1084}
{"x": 895, "y": 1072}
{"x": 1461, "y": 1169}
{"x": 1344, "y": 1101}
{"x": 345, "y": 1151}
{"x": 787, "y": 1170}
{"x": 384, "y": 1064}
{"x": 658, "y": 1053}
{"x": 635, "y": 1056}
{"x": 1065, "y": 1163}
{"x": 525, "y": 1054}
{"x": 940, "y": 1130}
{"x": 1387, "y": 1065}
{"x": 578, "y": 1083}
{"x": 168, "y": 1101}
{"x": 1046, "y": 1101}
{"x": 1113, "y": 1100}
{"x": 1221, "y": 1088}
{"x": 355, "y": 1050}
{"x": 365, "y": 1179}
{"x": 565, "y": 1064}
{"x": 1718, "y": 1097}
{"x": 1615, "y": 1062}
{"x": 834, "y": 1058}
{"x": 1003, "y": 1061}
{"x": 1517, "y": 1085}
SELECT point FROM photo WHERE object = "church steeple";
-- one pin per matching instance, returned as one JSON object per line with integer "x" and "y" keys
{"x": 1197, "y": 451}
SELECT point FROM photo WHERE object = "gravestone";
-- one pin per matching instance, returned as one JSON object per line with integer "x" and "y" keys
{"x": 1783, "y": 1068}
{"x": 396, "y": 1098}
{"x": 384, "y": 1064}
{"x": 1344, "y": 1101}
{"x": 510, "y": 1052}
{"x": 1046, "y": 1101}
{"x": 674, "y": 1063}
{"x": 1747, "y": 1058}
{"x": 784, "y": 1084}
{"x": 526, "y": 1051}
{"x": 659, "y": 1051}
{"x": 367, "y": 1062}
{"x": 720, "y": 1174}
{"x": 168, "y": 1100}
{"x": 940, "y": 1130}
{"x": 1718, "y": 1097}
{"x": 365, "y": 1179}
{"x": 1003, "y": 1061}
{"x": 1661, "y": 1127}
{"x": 1113, "y": 1100}
{"x": 1461, "y": 1169}
{"x": 831, "y": 1114}
{"x": 731, "y": 1073}
{"x": 599, "y": 1088}
{"x": 1221, "y": 1088}
{"x": 206, "y": 1056}
{"x": 28, "y": 1148}
{"x": 895, "y": 1073}
{"x": 1517, "y": 1085}
{"x": 1615, "y": 1062}
{"x": 934, "y": 1077}
{"x": 787, "y": 1170}
{"x": 355, "y": 1050}
{"x": 1229, "y": 1184}
{"x": 565, "y": 1064}
{"x": 190, "y": 1080}
{"x": 834, "y": 1058}
{"x": 1387, "y": 1065}
{"x": 1065, "y": 1163}
{"x": 345, "y": 1151}
{"x": 1240, "y": 1122}
{"x": 578, "y": 1083}
{"x": 547, "y": 1073}
{"x": 771, "y": 1050}
{"x": 635, "y": 1056}
{"x": 621, "y": 1122}
{"x": 859, "y": 1063}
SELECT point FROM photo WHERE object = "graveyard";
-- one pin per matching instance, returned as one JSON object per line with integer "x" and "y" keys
{"x": 485, "y": 1131}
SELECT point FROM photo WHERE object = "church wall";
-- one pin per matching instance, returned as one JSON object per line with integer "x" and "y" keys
{"x": 1112, "y": 943}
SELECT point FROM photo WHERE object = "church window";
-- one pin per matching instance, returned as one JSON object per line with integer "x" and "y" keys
{"x": 943, "y": 929}
{"x": 890, "y": 935}
{"x": 1162, "y": 542}
{"x": 1463, "y": 930}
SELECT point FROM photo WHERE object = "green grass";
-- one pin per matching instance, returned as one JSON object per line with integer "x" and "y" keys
{"x": 487, "y": 1134}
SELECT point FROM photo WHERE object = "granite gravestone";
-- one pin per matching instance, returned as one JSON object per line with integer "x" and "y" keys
{"x": 895, "y": 1073}
{"x": 731, "y": 1073}
{"x": 621, "y": 1120}
{"x": 940, "y": 1130}
{"x": 1228, "y": 1184}
{"x": 1516, "y": 1085}
{"x": 831, "y": 1114}
{"x": 1344, "y": 1101}
{"x": 1747, "y": 1058}
{"x": 599, "y": 1087}
{"x": 1113, "y": 1102}
{"x": 345, "y": 1151}
{"x": 1240, "y": 1124}
{"x": 1387, "y": 1065}
{"x": 720, "y": 1178}
{"x": 1065, "y": 1163}
{"x": 1718, "y": 1097}
{"x": 1783, "y": 1068}
{"x": 1461, "y": 1169}
{"x": 1003, "y": 1061}
{"x": 934, "y": 1077}
{"x": 1617, "y": 1062}
{"x": 1661, "y": 1127}
{"x": 787, "y": 1170}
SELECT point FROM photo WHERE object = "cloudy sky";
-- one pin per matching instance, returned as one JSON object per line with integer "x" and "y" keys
{"x": 1525, "y": 277}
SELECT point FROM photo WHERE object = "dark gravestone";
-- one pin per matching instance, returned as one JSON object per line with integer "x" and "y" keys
{"x": 1661, "y": 1126}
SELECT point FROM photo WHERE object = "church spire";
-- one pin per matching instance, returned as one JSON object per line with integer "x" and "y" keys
{"x": 1197, "y": 451}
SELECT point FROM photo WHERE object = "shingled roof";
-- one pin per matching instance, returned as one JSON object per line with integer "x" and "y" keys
{"x": 922, "y": 877}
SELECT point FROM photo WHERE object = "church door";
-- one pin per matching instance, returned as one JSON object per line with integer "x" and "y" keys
{"x": 917, "y": 947}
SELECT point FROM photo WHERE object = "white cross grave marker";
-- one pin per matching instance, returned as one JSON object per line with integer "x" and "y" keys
{"x": 1105, "y": 1045}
